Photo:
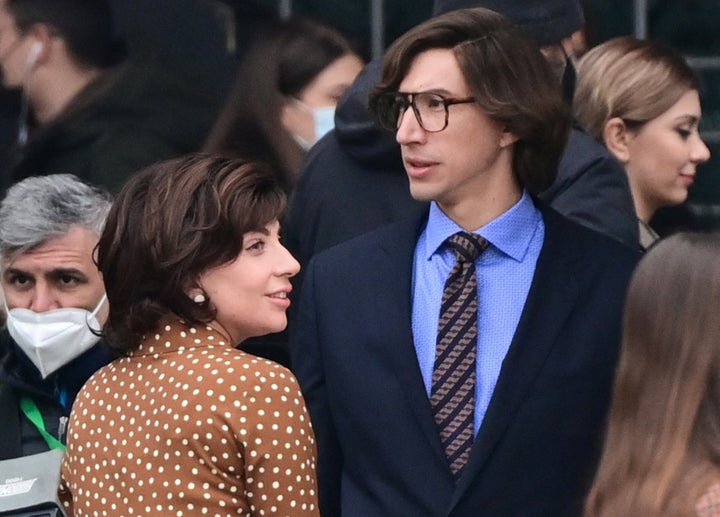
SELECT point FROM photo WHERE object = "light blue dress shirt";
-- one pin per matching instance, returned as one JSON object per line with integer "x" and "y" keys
{"x": 505, "y": 271}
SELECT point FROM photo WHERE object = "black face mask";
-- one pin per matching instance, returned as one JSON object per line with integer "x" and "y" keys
{"x": 569, "y": 78}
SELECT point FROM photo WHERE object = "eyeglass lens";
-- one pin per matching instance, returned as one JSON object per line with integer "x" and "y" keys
{"x": 429, "y": 109}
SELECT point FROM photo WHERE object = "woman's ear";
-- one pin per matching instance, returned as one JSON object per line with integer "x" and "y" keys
{"x": 194, "y": 290}
{"x": 293, "y": 118}
{"x": 288, "y": 116}
{"x": 617, "y": 137}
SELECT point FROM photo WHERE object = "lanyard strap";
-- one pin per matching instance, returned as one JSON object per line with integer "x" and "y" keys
{"x": 30, "y": 409}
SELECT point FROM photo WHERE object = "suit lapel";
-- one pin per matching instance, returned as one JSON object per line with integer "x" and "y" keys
{"x": 549, "y": 303}
{"x": 394, "y": 264}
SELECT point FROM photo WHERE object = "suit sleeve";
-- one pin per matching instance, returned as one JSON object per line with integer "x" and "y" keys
{"x": 306, "y": 346}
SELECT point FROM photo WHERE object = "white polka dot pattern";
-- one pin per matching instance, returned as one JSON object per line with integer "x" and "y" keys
{"x": 188, "y": 425}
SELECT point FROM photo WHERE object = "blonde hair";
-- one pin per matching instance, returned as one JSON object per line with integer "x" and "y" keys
{"x": 663, "y": 441}
{"x": 635, "y": 80}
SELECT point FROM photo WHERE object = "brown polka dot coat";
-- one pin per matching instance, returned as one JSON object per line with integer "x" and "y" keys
{"x": 188, "y": 425}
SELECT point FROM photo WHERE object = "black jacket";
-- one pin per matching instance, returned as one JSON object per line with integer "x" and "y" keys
{"x": 126, "y": 119}
{"x": 18, "y": 377}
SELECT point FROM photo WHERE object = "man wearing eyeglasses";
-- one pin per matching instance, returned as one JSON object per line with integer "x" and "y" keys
{"x": 460, "y": 363}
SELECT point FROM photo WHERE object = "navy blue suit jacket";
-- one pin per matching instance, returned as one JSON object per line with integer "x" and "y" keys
{"x": 537, "y": 448}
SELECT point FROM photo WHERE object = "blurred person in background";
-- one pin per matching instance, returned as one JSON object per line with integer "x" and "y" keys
{"x": 193, "y": 266}
{"x": 640, "y": 99}
{"x": 85, "y": 107}
{"x": 55, "y": 305}
{"x": 284, "y": 98}
{"x": 662, "y": 451}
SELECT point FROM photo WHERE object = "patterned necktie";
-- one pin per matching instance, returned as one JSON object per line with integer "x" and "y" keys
{"x": 453, "y": 382}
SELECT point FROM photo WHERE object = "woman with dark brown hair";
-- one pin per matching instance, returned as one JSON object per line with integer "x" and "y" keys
{"x": 284, "y": 97}
{"x": 184, "y": 422}
{"x": 662, "y": 452}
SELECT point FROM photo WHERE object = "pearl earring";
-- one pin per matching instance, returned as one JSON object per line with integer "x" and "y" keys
{"x": 199, "y": 298}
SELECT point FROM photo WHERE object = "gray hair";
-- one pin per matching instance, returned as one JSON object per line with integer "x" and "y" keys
{"x": 40, "y": 208}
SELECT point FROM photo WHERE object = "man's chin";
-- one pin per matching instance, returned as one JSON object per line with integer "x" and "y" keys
{"x": 422, "y": 193}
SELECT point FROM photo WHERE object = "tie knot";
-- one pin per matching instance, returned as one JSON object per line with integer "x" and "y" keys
{"x": 467, "y": 246}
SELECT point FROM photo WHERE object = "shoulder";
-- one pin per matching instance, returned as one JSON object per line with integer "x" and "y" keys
{"x": 391, "y": 238}
{"x": 564, "y": 228}
{"x": 569, "y": 238}
{"x": 259, "y": 372}
{"x": 708, "y": 505}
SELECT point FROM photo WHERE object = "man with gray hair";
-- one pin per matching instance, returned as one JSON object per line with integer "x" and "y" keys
{"x": 55, "y": 304}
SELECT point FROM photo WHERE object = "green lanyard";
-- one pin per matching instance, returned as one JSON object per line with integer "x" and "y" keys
{"x": 31, "y": 411}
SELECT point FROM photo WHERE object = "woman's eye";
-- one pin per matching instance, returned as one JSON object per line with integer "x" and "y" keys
{"x": 256, "y": 246}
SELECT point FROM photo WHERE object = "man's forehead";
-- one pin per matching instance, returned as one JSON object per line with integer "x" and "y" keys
{"x": 72, "y": 250}
{"x": 433, "y": 69}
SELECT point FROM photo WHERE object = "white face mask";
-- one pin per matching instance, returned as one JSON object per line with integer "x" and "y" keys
{"x": 53, "y": 338}
{"x": 323, "y": 122}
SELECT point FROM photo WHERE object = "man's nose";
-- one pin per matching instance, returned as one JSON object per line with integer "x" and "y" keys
{"x": 43, "y": 299}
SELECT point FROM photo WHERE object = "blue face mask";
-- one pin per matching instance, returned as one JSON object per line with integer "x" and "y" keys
{"x": 323, "y": 119}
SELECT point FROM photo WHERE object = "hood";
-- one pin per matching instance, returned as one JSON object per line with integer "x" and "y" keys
{"x": 355, "y": 129}
{"x": 546, "y": 21}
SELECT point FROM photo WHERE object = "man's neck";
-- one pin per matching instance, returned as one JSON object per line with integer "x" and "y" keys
{"x": 50, "y": 98}
{"x": 475, "y": 212}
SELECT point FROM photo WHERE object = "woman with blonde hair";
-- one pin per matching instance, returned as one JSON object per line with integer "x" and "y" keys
{"x": 662, "y": 451}
{"x": 641, "y": 100}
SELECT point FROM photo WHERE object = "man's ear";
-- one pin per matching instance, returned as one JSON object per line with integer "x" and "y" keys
{"x": 42, "y": 36}
{"x": 41, "y": 32}
{"x": 617, "y": 137}
{"x": 507, "y": 138}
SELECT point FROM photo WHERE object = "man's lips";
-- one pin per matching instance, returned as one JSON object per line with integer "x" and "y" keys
{"x": 419, "y": 162}
{"x": 418, "y": 166}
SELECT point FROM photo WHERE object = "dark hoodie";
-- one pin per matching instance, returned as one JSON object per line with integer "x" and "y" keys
{"x": 353, "y": 181}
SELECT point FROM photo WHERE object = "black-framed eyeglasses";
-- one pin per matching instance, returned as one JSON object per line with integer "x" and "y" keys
{"x": 430, "y": 109}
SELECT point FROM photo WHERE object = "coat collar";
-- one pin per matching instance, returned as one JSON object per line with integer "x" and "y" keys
{"x": 394, "y": 260}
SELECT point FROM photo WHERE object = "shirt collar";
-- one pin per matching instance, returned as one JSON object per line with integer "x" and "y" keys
{"x": 510, "y": 233}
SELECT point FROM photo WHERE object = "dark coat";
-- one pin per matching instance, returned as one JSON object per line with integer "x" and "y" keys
{"x": 537, "y": 447}
{"x": 18, "y": 377}
{"x": 127, "y": 119}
